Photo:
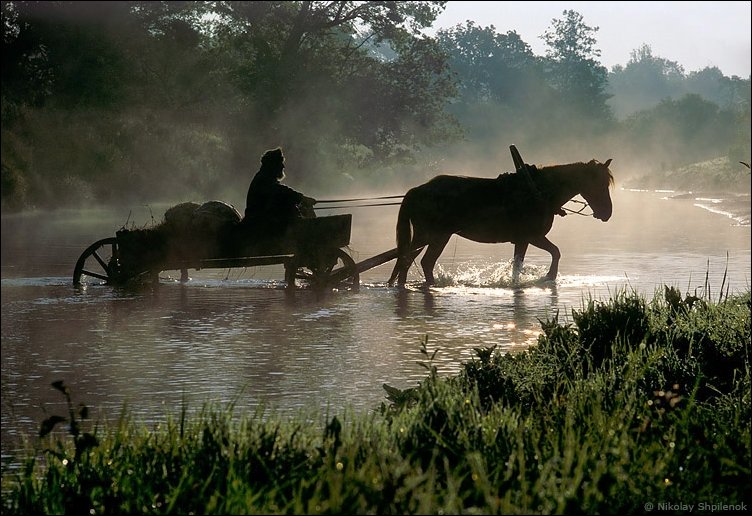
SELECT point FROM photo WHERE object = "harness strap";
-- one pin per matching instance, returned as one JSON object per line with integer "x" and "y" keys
{"x": 524, "y": 169}
{"x": 361, "y": 199}
{"x": 356, "y": 206}
{"x": 578, "y": 212}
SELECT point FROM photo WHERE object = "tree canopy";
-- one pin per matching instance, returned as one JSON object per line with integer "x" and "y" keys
{"x": 106, "y": 102}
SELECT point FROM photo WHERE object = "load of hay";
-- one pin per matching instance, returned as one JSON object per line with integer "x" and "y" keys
{"x": 190, "y": 232}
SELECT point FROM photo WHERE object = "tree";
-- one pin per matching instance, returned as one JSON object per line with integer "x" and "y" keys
{"x": 111, "y": 101}
{"x": 492, "y": 66}
{"x": 501, "y": 90}
{"x": 573, "y": 69}
{"x": 313, "y": 80}
{"x": 69, "y": 51}
{"x": 680, "y": 131}
{"x": 645, "y": 81}
{"x": 62, "y": 62}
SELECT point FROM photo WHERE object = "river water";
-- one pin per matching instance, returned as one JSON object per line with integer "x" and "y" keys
{"x": 235, "y": 335}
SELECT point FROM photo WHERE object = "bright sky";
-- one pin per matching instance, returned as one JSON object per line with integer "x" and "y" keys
{"x": 694, "y": 34}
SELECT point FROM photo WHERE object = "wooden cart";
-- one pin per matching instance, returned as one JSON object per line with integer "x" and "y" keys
{"x": 311, "y": 250}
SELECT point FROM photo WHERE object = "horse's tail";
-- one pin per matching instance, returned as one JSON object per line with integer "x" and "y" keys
{"x": 404, "y": 237}
{"x": 404, "y": 228}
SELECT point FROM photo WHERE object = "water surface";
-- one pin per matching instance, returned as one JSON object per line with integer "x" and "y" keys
{"x": 236, "y": 335}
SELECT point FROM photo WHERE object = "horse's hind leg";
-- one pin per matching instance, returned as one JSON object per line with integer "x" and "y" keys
{"x": 395, "y": 271}
{"x": 519, "y": 257}
{"x": 435, "y": 248}
{"x": 545, "y": 244}
{"x": 402, "y": 267}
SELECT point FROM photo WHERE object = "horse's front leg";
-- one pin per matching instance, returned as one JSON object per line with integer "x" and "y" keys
{"x": 545, "y": 244}
{"x": 520, "y": 249}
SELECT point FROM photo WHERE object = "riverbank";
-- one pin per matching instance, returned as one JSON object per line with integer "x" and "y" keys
{"x": 719, "y": 175}
{"x": 719, "y": 186}
{"x": 635, "y": 405}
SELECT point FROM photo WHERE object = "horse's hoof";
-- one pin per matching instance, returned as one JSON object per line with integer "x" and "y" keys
{"x": 540, "y": 282}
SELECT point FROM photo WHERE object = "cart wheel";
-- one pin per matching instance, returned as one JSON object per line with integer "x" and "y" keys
{"x": 100, "y": 261}
{"x": 340, "y": 272}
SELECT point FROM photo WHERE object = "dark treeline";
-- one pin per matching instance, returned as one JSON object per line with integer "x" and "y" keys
{"x": 123, "y": 102}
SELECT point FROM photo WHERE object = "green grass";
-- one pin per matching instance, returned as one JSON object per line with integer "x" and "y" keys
{"x": 633, "y": 402}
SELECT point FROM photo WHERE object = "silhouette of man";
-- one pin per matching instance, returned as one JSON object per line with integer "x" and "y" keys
{"x": 270, "y": 206}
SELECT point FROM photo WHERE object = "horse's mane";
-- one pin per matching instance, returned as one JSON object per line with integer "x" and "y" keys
{"x": 577, "y": 166}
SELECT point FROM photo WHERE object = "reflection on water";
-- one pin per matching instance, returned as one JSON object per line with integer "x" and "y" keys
{"x": 212, "y": 341}
{"x": 236, "y": 335}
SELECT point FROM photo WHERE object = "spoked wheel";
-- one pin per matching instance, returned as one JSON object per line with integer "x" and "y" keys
{"x": 338, "y": 271}
{"x": 98, "y": 262}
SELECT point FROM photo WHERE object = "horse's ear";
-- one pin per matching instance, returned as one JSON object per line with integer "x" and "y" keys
{"x": 608, "y": 162}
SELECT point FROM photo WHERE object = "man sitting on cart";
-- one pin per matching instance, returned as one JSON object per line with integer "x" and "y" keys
{"x": 271, "y": 206}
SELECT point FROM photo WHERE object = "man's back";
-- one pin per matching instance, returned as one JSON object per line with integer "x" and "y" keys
{"x": 269, "y": 199}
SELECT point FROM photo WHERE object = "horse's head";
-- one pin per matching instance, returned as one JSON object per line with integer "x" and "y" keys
{"x": 596, "y": 189}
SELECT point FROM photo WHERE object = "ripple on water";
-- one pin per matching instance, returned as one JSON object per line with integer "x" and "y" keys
{"x": 37, "y": 282}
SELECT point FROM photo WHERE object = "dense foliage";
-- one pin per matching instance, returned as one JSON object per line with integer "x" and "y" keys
{"x": 633, "y": 403}
{"x": 648, "y": 116}
{"x": 123, "y": 102}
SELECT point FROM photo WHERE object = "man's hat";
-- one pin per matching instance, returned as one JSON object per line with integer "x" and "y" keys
{"x": 272, "y": 156}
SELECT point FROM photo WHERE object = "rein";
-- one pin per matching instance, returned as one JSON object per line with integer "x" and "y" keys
{"x": 358, "y": 206}
{"x": 578, "y": 212}
{"x": 359, "y": 200}
{"x": 362, "y": 199}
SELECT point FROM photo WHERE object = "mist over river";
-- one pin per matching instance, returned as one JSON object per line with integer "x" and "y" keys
{"x": 234, "y": 334}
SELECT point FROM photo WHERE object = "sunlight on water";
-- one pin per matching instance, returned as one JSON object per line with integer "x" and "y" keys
{"x": 214, "y": 283}
{"x": 498, "y": 275}
{"x": 716, "y": 206}
{"x": 587, "y": 281}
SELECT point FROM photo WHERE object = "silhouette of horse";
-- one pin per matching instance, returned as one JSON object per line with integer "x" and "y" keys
{"x": 510, "y": 208}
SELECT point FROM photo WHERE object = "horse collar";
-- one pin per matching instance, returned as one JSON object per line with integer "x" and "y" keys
{"x": 525, "y": 171}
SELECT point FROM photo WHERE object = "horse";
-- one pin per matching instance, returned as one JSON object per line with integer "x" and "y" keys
{"x": 517, "y": 207}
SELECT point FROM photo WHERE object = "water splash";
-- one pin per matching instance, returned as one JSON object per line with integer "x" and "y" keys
{"x": 495, "y": 275}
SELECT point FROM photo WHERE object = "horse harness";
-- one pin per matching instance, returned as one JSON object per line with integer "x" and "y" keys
{"x": 527, "y": 172}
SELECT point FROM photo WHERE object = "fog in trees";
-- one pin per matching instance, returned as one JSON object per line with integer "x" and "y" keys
{"x": 122, "y": 103}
